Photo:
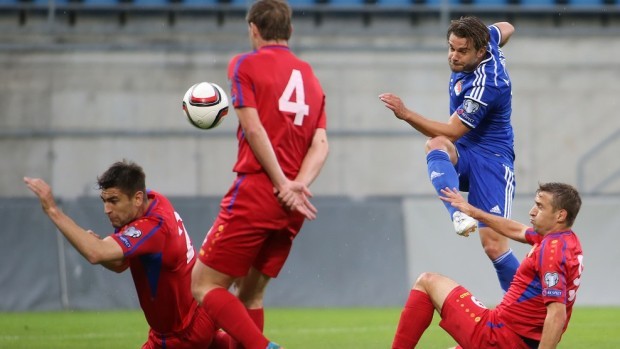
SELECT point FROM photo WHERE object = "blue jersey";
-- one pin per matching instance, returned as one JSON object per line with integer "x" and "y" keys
{"x": 482, "y": 101}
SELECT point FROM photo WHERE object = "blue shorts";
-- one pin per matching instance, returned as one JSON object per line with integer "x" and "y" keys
{"x": 490, "y": 181}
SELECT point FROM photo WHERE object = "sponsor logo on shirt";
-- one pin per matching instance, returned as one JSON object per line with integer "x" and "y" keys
{"x": 551, "y": 279}
{"x": 125, "y": 241}
{"x": 436, "y": 174}
{"x": 462, "y": 113}
{"x": 552, "y": 293}
{"x": 496, "y": 210}
{"x": 132, "y": 232}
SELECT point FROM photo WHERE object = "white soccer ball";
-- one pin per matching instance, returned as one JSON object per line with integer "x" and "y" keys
{"x": 205, "y": 104}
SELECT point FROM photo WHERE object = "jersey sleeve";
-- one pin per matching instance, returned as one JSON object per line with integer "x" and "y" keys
{"x": 532, "y": 237}
{"x": 495, "y": 35}
{"x": 241, "y": 87}
{"x": 552, "y": 271}
{"x": 141, "y": 237}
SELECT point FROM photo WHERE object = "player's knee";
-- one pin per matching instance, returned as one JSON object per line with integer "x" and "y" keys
{"x": 424, "y": 280}
{"x": 198, "y": 292}
{"x": 439, "y": 142}
{"x": 494, "y": 249}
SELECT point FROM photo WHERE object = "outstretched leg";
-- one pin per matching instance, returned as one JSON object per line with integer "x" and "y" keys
{"x": 441, "y": 157}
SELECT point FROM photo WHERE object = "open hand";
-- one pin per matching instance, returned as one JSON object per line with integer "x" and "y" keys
{"x": 394, "y": 103}
{"x": 454, "y": 197}
{"x": 43, "y": 191}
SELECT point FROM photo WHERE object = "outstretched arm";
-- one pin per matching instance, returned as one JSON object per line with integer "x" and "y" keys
{"x": 507, "y": 227}
{"x": 95, "y": 250}
{"x": 453, "y": 129}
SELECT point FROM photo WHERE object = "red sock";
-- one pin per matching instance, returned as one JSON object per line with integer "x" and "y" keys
{"x": 414, "y": 320}
{"x": 258, "y": 316}
{"x": 230, "y": 315}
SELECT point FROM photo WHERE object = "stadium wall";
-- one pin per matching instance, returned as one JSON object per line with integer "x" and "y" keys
{"x": 365, "y": 252}
{"x": 68, "y": 112}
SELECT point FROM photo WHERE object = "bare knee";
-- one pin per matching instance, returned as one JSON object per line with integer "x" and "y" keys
{"x": 205, "y": 279}
{"x": 439, "y": 142}
{"x": 424, "y": 280}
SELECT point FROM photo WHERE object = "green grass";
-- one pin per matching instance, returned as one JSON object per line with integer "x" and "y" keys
{"x": 357, "y": 328}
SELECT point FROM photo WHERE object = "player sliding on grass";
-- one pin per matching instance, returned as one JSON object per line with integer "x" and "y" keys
{"x": 535, "y": 311}
{"x": 474, "y": 151}
{"x": 151, "y": 241}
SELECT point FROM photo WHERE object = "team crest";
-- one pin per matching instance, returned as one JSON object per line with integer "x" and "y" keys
{"x": 551, "y": 279}
{"x": 458, "y": 87}
{"x": 132, "y": 232}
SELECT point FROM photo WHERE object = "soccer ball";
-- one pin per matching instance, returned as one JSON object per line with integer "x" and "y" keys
{"x": 205, "y": 104}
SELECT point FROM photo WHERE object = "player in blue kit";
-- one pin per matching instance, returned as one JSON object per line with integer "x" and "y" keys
{"x": 474, "y": 150}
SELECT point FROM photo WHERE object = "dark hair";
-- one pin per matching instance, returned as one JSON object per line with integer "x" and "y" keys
{"x": 125, "y": 175}
{"x": 564, "y": 197}
{"x": 272, "y": 18}
{"x": 472, "y": 29}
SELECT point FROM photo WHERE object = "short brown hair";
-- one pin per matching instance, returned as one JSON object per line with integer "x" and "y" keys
{"x": 472, "y": 29}
{"x": 272, "y": 18}
{"x": 564, "y": 197}
{"x": 125, "y": 175}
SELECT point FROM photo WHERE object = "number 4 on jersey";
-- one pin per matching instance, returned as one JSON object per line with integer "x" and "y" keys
{"x": 298, "y": 107}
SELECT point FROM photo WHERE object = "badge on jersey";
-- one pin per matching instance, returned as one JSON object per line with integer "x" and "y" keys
{"x": 470, "y": 106}
{"x": 551, "y": 279}
{"x": 132, "y": 232}
{"x": 458, "y": 87}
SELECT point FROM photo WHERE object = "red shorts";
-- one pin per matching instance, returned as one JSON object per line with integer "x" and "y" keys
{"x": 474, "y": 326}
{"x": 197, "y": 335}
{"x": 252, "y": 229}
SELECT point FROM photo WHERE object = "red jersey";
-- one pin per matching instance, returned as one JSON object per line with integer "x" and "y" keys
{"x": 289, "y": 100}
{"x": 551, "y": 272}
{"x": 161, "y": 257}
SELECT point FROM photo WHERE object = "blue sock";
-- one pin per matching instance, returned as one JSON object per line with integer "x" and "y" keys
{"x": 506, "y": 266}
{"x": 442, "y": 174}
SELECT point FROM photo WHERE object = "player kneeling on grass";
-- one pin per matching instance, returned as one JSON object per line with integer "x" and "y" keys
{"x": 151, "y": 241}
{"x": 535, "y": 310}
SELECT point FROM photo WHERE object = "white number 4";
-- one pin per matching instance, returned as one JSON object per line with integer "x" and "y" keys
{"x": 299, "y": 106}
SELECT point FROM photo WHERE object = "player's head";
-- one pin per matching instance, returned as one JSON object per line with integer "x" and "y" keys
{"x": 271, "y": 19}
{"x": 123, "y": 191}
{"x": 468, "y": 38}
{"x": 564, "y": 198}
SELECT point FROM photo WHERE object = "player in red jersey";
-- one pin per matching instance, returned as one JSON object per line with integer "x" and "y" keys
{"x": 537, "y": 307}
{"x": 151, "y": 241}
{"x": 282, "y": 148}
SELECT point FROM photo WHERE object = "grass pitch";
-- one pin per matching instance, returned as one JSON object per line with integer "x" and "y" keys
{"x": 349, "y": 328}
